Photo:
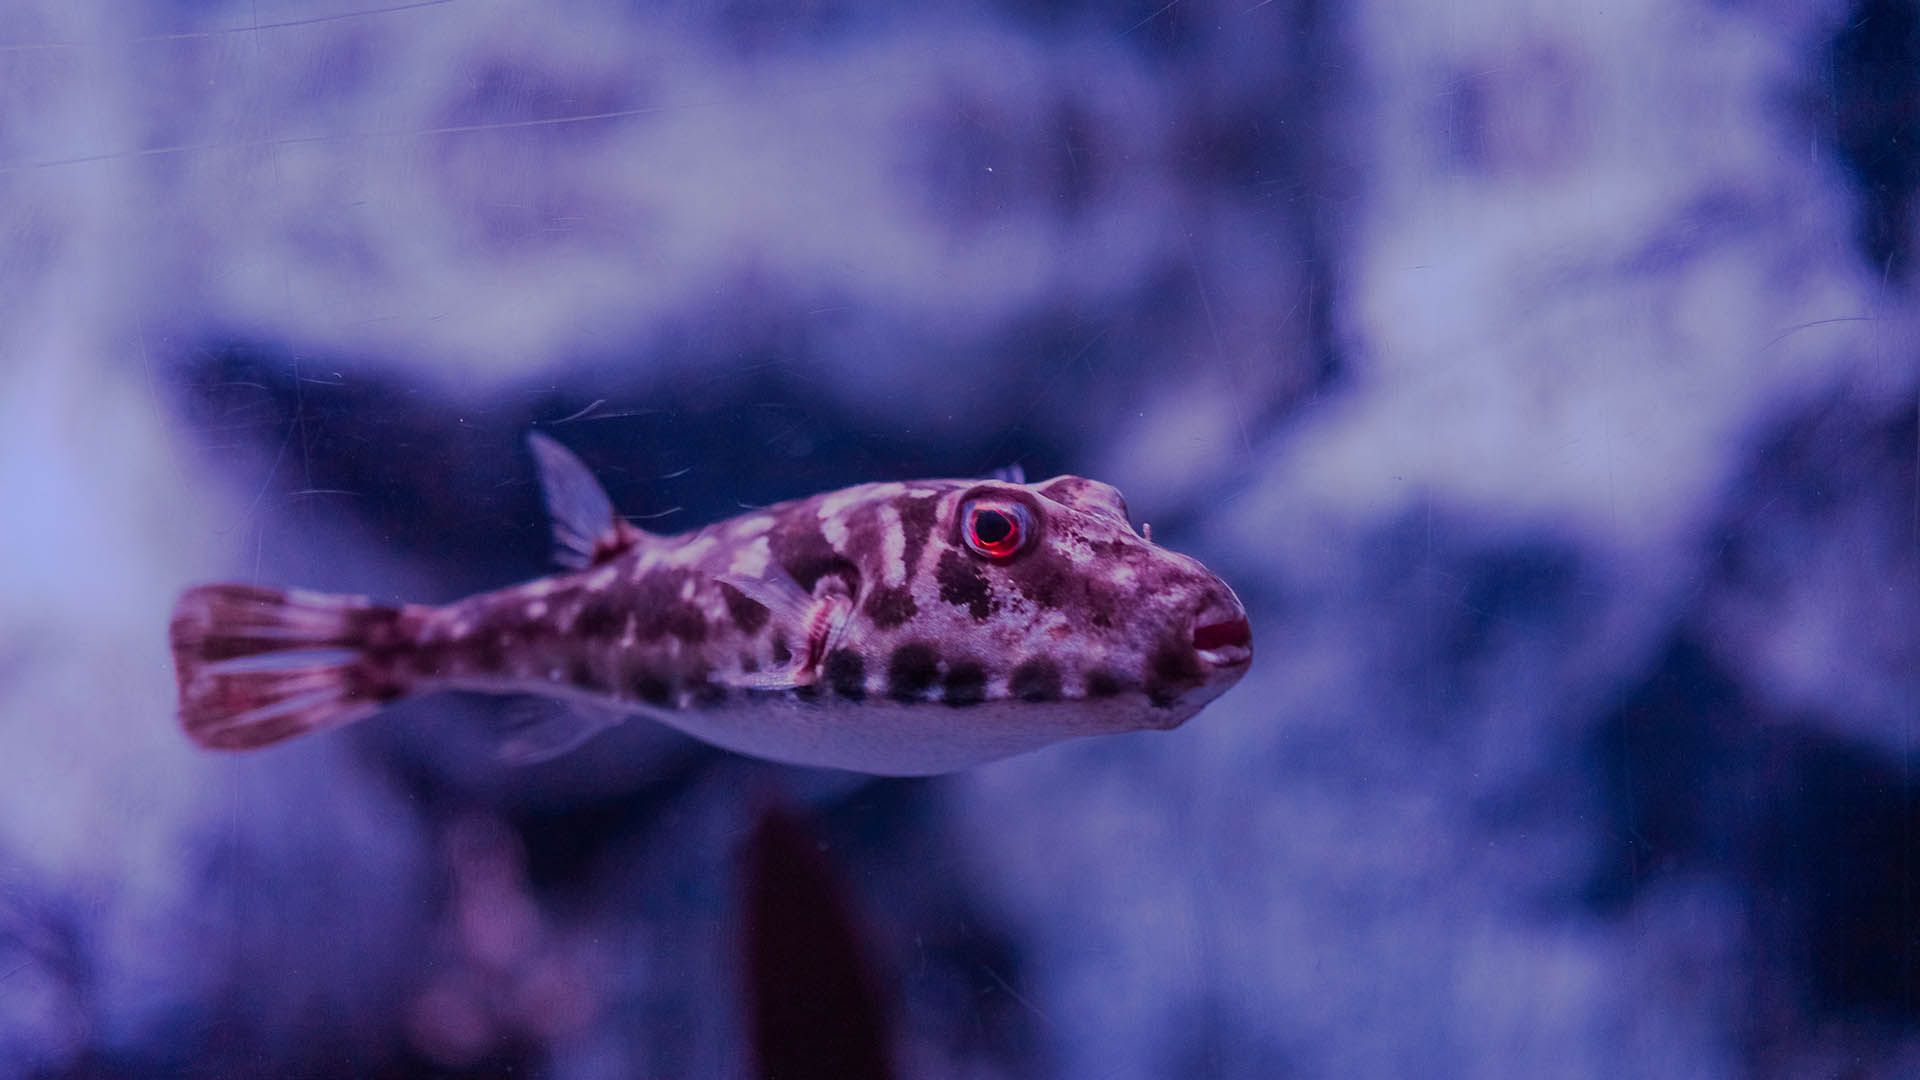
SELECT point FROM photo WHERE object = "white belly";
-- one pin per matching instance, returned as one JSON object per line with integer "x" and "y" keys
{"x": 891, "y": 739}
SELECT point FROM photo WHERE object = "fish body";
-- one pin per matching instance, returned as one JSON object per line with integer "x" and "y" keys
{"x": 891, "y": 628}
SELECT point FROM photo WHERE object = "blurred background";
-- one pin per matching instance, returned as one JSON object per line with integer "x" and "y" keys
{"x": 1542, "y": 375}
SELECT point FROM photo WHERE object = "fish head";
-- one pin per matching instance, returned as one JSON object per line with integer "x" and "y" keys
{"x": 973, "y": 592}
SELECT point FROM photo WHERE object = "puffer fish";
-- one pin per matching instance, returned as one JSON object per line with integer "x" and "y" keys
{"x": 888, "y": 628}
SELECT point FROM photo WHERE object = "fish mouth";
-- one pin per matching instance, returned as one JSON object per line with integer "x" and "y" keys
{"x": 1223, "y": 641}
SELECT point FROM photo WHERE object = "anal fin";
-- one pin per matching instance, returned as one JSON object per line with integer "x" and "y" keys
{"x": 535, "y": 729}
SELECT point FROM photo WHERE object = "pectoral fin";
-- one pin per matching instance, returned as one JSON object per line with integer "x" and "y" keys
{"x": 776, "y": 591}
{"x": 819, "y": 622}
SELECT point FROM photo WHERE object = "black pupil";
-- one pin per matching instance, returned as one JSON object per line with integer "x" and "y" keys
{"x": 992, "y": 527}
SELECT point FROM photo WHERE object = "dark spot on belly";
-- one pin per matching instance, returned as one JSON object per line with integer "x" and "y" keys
{"x": 1104, "y": 684}
{"x": 580, "y": 673}
{"x": 912, "y": 671}
{"x": 847, "y": 674}
{"x": 1036, "y": 680}
{"x": 966, "y": 684}
{"x": 747, "y": 614}
{"x": 891, "y": 607}
{"x": 649, "y": 687}
{"x": 781, "y": 653}
{"x": 1174, "y": 669}
{"x": 963, "y": 585}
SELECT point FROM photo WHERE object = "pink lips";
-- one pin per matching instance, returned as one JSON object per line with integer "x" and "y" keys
{"x": 1225, "y": 643}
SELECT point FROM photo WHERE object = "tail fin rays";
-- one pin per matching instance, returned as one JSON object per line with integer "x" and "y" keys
{"x": 257, "y": 666}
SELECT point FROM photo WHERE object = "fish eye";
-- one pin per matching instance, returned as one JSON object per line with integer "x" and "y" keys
{"x": 996, "y": 528}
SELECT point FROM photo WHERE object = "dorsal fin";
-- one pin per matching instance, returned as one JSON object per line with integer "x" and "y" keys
{"x": 586, "y": 531}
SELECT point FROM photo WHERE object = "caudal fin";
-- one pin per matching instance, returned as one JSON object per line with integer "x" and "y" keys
{"x": 257, "y": 666}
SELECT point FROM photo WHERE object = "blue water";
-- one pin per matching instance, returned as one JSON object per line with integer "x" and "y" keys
{"x": 1542, "y": 377}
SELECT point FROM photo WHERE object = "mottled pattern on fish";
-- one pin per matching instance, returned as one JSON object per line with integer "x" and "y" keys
{"x": 890, "y": 627}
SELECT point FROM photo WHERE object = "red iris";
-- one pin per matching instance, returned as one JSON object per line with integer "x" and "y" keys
{"x": 997, "y": 530}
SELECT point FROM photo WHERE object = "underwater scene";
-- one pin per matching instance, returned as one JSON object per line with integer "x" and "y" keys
{"x": 1212, "y": 538}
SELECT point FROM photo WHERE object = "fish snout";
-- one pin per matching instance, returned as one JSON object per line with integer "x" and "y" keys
{"x": 1222, "y": 637}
